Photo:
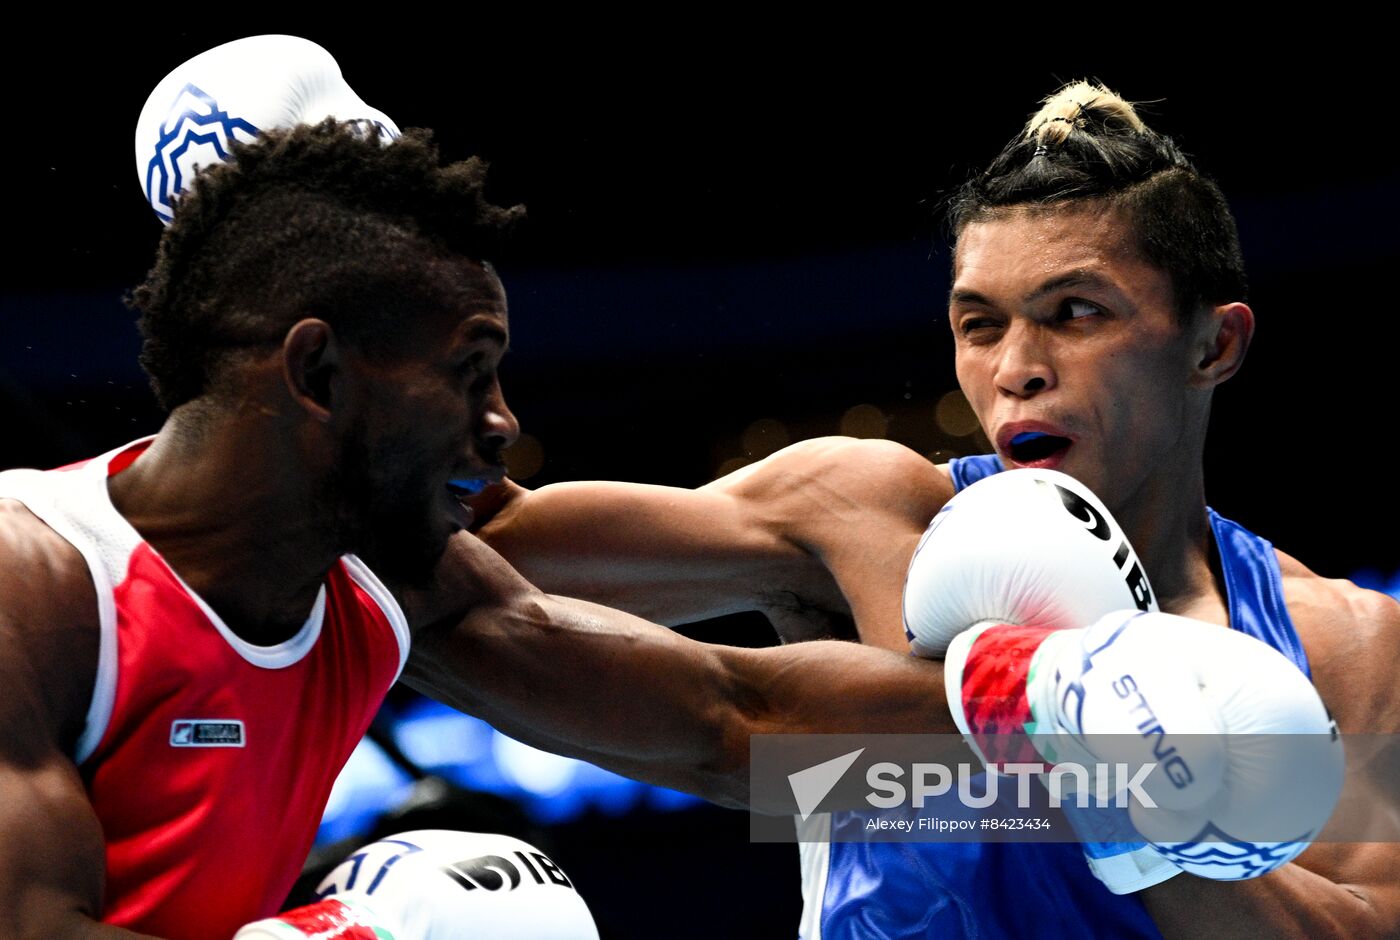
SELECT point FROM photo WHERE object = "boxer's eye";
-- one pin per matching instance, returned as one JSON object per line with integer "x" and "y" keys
{"x": 969, "y": 326}
{"x": 1078, "y": 310}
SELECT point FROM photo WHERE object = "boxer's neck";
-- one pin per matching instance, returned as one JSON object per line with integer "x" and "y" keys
{"x": 231, "y": 507}
{"x": 1167, "y": 524}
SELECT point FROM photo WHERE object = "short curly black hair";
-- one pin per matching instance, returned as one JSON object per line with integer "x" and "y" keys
{"x": 1088, "y": 146}
{"x": 324, "y": 220}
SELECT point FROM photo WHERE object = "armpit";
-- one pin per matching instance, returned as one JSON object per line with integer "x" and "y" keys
{"x": 797, "y": 620}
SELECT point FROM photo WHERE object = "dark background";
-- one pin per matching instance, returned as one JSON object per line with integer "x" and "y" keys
{"x": 734, "y": 220}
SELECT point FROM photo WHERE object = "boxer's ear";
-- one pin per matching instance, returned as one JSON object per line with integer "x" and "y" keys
{"x": 1222, "y": 338}
{"x": 311, "y": 355}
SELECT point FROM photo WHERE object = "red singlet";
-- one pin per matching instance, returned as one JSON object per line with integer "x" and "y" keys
{"x": 209, "y": 760}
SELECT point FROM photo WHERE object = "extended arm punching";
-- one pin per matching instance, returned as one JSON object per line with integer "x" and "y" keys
{"x": 596, "y": 683}
{"x": 819, "y": 531}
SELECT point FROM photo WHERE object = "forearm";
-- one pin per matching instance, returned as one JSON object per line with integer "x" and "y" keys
{"x": 602, "y": 685}
{"x": 53, "y": 890}
{"x": 52, "y": 853}
{"x": 79, "y": 927}
{"x": 1290, "y": 902}
{"x": 592, "y": 683}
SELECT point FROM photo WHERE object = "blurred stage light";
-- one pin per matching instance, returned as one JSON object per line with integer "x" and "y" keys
{"x": 368, "y": 784}
{"x": 864, "y": 421}
{"x": 763, "y": 437}
{"x": 954, "y": 415}
{"x": 1375, "y": 580}
{"x": 524, "y": 458}
{"x": 730, "y": 465}
{"x": 531, "y": 769}
{"x": 472, "y": 754}
{"x": 916, "y": 427}
{"x": 439, "y": 739}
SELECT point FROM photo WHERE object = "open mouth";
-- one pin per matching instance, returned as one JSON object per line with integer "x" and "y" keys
{"x": 459, "y": 493}
{"x": 464, "y": 489}
{"x": 1034, "y": 447}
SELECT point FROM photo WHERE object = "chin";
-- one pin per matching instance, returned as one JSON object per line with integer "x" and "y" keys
{"x": 1075, "y": 464}
{"x": 1103, "y": 480}
{"x": 406, "y": 552}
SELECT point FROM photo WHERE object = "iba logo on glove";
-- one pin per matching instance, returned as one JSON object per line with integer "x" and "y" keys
{"x": 491, "y": 871}
{"x": 503, "y": 871}
{"x": 195, "y": 127}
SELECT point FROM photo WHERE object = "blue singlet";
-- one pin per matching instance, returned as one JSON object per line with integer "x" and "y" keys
{"x": 888, "y": 890}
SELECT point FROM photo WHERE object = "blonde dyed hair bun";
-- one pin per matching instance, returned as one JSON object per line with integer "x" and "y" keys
{"x": 1087, "y": 146}
{"x": 1069, "y": 108}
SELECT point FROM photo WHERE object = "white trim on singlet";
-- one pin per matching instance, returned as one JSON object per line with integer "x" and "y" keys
{"x": 35, "y": 489}
{"x": 814, "y": 852}
{"x": 278, "y": 656}
{"x": 361, "y": 574}
{"x": 76, "y": 505}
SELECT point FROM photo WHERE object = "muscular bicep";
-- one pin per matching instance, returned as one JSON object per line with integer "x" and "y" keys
{"x": 860, "y": 507}
{"x": 817, "y": 533}
{"x": 51, "y": 846}
{"x": 51, "y": 850}
{"x": 667, "y": 554}
{"x": 52, "y": 855}
{"x": 600, "y": 684}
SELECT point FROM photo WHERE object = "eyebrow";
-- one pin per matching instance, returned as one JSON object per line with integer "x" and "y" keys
{"x": 1080, "y": 277}
{"x": 480, "y": 329}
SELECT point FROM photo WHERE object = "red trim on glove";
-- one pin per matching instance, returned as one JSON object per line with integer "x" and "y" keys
{"x": 329, "y": 920}
{"x": 994, "y": 692}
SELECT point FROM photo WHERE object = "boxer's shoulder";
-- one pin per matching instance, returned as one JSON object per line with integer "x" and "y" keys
{"x": 804, "y": 486}
{"x": 1337, "y": 610}
{"x": 845, "y": 479}
{"x": 1352, "y": 638}
{"x": 48, "y": 620}
{"x": 858, "y": 506}
{"x": 47, "y": 579}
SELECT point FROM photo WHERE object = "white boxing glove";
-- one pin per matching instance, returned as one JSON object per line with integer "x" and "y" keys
{"x": 1222, "y": 732}
{"x": 234, "y": 92}
{"x": 1030, "y": 547}
{"x": 435, "y": 884}
{"x": 1036, "y": 548}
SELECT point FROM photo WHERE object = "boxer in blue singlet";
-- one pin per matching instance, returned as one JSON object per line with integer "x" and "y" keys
{"x": 896, "y": 889}
{"x": 1098, "y": 299}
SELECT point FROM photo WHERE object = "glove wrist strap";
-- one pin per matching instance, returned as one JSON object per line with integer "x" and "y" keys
{"x": 329, "y": 919}
{"x": 992, "y": 691}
